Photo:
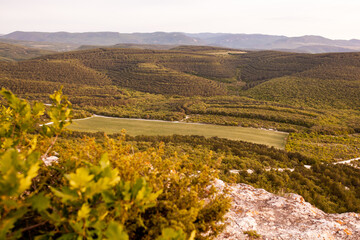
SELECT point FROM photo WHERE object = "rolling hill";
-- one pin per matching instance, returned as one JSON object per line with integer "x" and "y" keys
{"x": 288, "y": 78}
{"x": 152, "y": 71}
{"x": 12, "y": 52}
{"x": 311, "y": 80}
{"x": 53, "y": 71}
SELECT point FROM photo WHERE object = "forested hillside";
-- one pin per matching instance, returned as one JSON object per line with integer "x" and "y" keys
{"x": 315, "y": 81}
{"x": 12, "y": 52}
{"x": 285, "y": 91}
{"x": 150, "y": 71}
{"x": 209, "y": 71}
{"x": 53, "y": 71}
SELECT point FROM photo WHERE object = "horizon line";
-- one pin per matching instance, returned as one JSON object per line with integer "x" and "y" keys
{"x": 206, "y": 32}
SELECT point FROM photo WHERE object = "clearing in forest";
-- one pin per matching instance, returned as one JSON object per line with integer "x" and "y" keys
{"x": 136, "y": 127}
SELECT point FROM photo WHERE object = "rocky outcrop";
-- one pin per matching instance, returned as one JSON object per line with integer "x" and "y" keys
{"x": 283, "y": 217}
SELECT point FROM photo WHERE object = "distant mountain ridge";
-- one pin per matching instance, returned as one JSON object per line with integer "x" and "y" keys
{"x": 303, "y": 44}
{"x": 105, "y": 38}
{"x": 53, "y": 46}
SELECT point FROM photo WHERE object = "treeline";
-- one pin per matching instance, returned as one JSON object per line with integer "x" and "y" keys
{"x": 327, "y": 148}
{"x": 234, "y": 110}
{"x": 234, "y": 154}
{"x": 332, "y": 188}
{"x": 260, "y": 114}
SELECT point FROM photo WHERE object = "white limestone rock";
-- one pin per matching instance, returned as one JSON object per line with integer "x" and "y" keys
{"x": 283, "y": 217}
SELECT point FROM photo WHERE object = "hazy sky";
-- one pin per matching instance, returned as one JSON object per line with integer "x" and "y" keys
{"x": 338, "y": 19}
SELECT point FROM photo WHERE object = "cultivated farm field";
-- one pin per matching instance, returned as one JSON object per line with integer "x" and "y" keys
{"x": 136, "y": 127}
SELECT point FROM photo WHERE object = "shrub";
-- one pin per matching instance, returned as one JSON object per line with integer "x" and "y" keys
{"x": 97, "y": 190}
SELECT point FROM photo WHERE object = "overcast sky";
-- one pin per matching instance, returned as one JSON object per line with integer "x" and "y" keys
{"x": 337, "y": 19}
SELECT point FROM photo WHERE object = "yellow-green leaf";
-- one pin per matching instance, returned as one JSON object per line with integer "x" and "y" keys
{"x": 115, "y": 231}
{"x": 84, "y": 212}
{"x": 80, "y": 179}
{"x": 40, "y": 202}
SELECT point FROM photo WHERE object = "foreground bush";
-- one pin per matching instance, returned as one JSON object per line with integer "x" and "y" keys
{"x": 97, "y": 190}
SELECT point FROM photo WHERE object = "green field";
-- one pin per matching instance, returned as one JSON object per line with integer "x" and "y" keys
{"x": 136, "y": 127}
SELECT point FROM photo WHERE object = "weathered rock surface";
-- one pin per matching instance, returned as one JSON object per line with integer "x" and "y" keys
{"x": 287, "y": 217}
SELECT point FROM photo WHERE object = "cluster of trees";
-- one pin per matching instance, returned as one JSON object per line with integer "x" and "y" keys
{"x": 327, "y": 148}
{"x": 356, "y": 163}
{"x": 236, "y": 109}
{"x": 259, "y": 114}
{"x": 332, "y": 188}
{"x": 244, "y": 122}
